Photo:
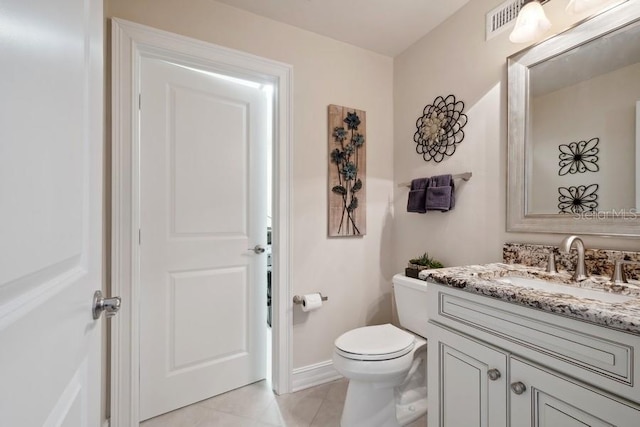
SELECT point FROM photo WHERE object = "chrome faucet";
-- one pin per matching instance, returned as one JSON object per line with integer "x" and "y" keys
{"x": 618, "y": 272}
{"x": 551, "y": 262}
{"x": 565, "y": 246}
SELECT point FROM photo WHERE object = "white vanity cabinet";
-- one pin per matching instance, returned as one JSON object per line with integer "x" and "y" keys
{"x": 495, "y": 364}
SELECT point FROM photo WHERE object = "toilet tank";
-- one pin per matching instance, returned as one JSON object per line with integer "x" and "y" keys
{"x": 411, "y": 303}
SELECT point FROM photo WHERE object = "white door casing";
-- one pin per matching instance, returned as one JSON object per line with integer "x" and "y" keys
{"x": 51, "y": 143}
{"x": 203, "y": 204}
{"x": 637, "y": 210}
{"x": 130, "y": 43}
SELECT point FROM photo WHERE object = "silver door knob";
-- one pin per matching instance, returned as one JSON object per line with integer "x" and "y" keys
{"x": 493, "y": 374}
{"x": 518, "y": 388}
{"x": 257, "y": 249}
{"x": 100, "y": 304}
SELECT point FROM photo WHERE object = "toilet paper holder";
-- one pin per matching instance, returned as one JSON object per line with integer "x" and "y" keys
{"x": 297, "y": 299}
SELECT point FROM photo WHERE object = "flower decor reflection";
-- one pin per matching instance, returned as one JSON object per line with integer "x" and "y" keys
{"x": 578, "y": 199}
{"x": 440, "y": 128}
{"x": 579, "y": 157}
{"x": 345, "y": 158}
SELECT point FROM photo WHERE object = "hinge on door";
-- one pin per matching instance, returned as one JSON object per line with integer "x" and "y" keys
{"x": 139, "y": 236}
{"x": 139, "y": 101}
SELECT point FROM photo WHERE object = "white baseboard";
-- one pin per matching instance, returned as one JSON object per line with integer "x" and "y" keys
{"x": 313, "y": 375}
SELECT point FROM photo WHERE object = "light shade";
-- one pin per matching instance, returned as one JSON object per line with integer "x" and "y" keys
{"x": 531, "y": 23}
{"x": 576, "y": 7}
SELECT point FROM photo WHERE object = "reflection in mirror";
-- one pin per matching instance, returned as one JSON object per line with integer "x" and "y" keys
{"x": 574, "y": 129}
{"x": 583, "y": 126}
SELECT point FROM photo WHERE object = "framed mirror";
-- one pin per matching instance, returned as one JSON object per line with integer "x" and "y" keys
{"x": 574, "y": 129}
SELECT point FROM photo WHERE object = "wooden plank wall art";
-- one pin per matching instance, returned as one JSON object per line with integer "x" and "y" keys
{"x": 347, "y": 172}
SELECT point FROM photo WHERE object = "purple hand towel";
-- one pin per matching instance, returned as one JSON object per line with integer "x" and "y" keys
{"x": 418, "y": 195}
{"x": 440, "y": 193}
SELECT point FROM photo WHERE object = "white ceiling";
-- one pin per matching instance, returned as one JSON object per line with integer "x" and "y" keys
{"x": 384, "y": 26}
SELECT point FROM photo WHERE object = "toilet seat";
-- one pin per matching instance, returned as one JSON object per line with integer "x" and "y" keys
{"x": 374, "y": 343}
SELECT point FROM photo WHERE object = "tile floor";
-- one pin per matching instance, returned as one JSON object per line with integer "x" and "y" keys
{"x": 256, "y": 406}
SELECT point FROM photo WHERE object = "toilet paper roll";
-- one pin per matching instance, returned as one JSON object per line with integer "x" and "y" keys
{"x": 311, "y": 302}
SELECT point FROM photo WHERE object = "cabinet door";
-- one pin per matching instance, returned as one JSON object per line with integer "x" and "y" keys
{"x": 467, "y": 384}
{"x": 549, "y": 400}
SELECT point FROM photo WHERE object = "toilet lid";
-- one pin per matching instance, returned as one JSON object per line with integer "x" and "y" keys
{"x": 381, "y": 342}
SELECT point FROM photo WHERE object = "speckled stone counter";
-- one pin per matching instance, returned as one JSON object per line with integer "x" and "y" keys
{"x": 597, "y": 261}
{"x": 484, "y": 280}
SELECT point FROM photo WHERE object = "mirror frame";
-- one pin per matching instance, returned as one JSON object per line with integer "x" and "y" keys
{"x": 518, "y": 65}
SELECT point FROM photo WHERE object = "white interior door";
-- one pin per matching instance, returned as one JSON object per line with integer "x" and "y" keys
{"x": 51, "y": 133}
{"x": 203, "y": 164}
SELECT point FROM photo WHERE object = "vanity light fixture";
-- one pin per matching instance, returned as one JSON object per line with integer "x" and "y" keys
{"x": 531, "y": 23}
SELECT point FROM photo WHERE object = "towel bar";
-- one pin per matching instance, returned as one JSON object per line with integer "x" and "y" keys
{"x": 297, "y": 299}
{"x": 463, "y": 176}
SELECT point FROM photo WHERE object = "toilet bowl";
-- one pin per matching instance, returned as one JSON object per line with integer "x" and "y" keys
{"x": 386, "y": 365}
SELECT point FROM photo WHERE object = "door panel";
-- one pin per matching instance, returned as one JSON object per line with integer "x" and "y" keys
{"x": 461, "y": 374}
{"x": 540, "y": 406}
{"x": 459, "y": 369}
{"x": 204, "y": 126}
{"x": 51, "y": 193}
{"x": 192, "y": 316}
{"x": 554, "y": 412}
{"x": 203, "y": 205}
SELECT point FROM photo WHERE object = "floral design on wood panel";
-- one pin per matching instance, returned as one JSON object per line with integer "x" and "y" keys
{"x": 347, "y": 171}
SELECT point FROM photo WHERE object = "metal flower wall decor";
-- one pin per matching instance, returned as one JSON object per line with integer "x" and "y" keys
{"x": 347, "y": 167}
{"x": 440, "y": 128}
{"x": 578, "y": 199}
{"x": 579, "y": 157}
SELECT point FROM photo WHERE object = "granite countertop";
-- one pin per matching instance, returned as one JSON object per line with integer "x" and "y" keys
{"x": 484, "y": 280}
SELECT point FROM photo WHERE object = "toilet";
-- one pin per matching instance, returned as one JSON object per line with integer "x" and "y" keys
{"x": 385, "y": 365}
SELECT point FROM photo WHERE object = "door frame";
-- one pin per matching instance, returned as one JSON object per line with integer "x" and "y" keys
{"x": 129, "y": 42}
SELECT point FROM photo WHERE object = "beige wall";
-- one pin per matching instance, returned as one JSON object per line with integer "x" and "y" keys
{"x": 353, "y": 272}
{"x": 455, "y": 58}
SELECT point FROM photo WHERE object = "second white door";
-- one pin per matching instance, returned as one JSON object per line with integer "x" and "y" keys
{"x": 203, "y": 192}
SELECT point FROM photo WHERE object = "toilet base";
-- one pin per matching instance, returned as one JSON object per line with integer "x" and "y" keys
{"x": 368, "y": 404}
{"x": 406, "y": 414}
{"x": 385, "y": 393}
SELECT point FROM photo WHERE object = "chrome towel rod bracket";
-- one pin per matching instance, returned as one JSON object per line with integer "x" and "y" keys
{"x": 466, "y": 176}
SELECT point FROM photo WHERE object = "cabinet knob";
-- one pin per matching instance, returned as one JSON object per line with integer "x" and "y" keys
{"x": 493, "y": 374}
{"x": 518, "y": 387}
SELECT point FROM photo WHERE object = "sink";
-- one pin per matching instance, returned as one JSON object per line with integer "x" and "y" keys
{"x": 557, "y": 287}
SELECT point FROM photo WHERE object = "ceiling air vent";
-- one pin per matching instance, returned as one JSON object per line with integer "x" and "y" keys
{"x": 502, "y": 17}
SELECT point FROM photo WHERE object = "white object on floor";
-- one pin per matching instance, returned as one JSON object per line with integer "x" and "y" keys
{"x": 385, "y": 365}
